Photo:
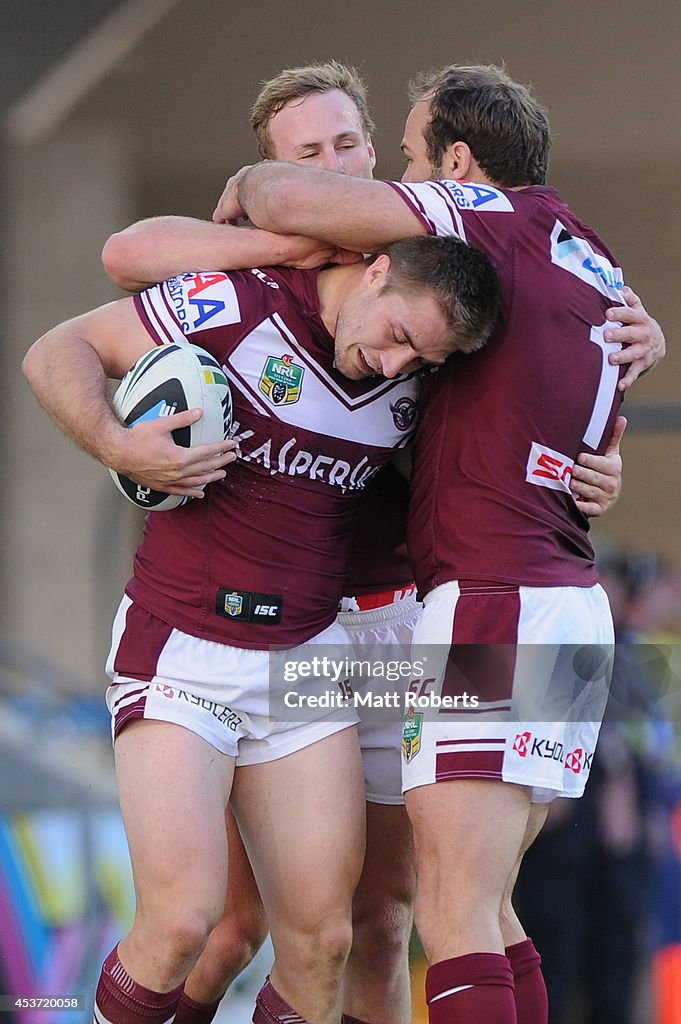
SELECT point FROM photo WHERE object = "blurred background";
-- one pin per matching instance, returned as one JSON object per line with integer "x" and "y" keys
{"x": 112, "y": 111}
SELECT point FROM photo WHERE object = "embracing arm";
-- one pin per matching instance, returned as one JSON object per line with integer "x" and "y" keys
{"x": 68, "y": 370}
{"x": 597, "y": 479}
{"x": 354, "y": 213}
{"x": 153, "y": 250}
{"x": 640, "y": 333}
{"x": 363, "y": 215}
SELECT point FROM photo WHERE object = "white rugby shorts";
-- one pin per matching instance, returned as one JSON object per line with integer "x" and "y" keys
{"x": 519, "y": 685}
{"x": 222, "y": 693}
{"x": 381, "y": 634}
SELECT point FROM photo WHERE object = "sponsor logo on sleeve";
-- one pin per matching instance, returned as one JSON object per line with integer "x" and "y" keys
{"x": 470, "y": 196}
{"x": 204, "y": 301}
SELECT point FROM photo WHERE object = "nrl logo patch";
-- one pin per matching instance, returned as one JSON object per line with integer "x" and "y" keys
{"x": 411, "y": 735}
{"x": 281, "y": 380}
{"x": 234, "y": 604}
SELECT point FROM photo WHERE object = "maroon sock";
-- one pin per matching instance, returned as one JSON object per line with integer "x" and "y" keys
{"x": 120, "y": 1000}
{"x": 473, "y": 989}
{"x": 270, "y": 1008}
{"x": 531, "y": 997}
{"x": 190, "y": 1012}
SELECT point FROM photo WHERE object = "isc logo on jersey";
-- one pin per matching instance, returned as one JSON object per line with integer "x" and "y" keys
{"x": 204, "y": 301}
{"x": 469, "y": 196}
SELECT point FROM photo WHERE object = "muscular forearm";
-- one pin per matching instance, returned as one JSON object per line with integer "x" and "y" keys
{"x": 68, "y": 370}
{"x": 68, "y": 379}
{"x": 353, "y": 213}
{"x": 153, "y": 250}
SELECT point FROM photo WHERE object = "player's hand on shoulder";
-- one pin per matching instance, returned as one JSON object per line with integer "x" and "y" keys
{"x": 148, "y": 455}
{"x": 597, "y": 479}
{"x": 228, "y": 209}
{"x": 639, "y": 332}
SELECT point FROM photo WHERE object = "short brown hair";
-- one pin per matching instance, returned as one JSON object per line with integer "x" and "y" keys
{"x": 293, "y": 83}
{"x": 505, "y": 127}
{"x": 463, "y": 280}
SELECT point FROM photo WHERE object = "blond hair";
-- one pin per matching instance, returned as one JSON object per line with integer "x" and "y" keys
{"x": 294, "y": 83}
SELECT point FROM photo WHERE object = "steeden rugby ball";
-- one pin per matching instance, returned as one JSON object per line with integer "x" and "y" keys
{"x": 167, "y": 380}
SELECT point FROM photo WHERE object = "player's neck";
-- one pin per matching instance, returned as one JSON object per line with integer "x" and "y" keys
{"x": 334, "y": 284}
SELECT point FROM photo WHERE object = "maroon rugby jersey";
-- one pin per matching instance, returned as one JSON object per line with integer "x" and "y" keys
{"x": 261, "y": 560}
{"x": 379, "y": 559}
{"x": 500, "y": 429}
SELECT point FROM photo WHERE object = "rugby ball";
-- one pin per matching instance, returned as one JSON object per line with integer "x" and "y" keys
{"x": 167, "y": 380}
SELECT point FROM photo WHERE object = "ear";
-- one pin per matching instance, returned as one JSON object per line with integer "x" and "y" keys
{"x": 371, "y": 151}
{"x": 377, "y": 272}
{"x": 456, "y": 162}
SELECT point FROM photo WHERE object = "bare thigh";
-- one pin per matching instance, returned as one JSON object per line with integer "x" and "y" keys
{"x": 468, "y": 834}
{"x": 303, "y": 822}
{"x": 173, "y": 789}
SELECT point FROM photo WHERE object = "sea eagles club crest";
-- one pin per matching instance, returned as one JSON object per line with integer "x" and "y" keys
{"x": 281, "y": 380}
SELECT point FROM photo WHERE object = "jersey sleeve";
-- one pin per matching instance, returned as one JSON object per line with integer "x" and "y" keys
{"x": 196, "y": 308}
{"x": 477, "y": 214}
{"x": 452, "y": 207}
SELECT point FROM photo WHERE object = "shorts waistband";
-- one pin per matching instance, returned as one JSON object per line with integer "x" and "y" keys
{"x": 378, "y": 599}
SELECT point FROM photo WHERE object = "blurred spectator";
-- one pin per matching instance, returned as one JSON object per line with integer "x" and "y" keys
{"x": 590, "y": 885}
{"x": 655, "y": 612}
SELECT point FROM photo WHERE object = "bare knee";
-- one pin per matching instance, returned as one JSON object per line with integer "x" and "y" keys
{"x": 238, "y": 939}
{"x": 333, "y": 940}
{"x": 177, "y": 939}
{"x": 324, "y": 945}
{"x": 186, "y": 934}
{"x": 382, "y": 928}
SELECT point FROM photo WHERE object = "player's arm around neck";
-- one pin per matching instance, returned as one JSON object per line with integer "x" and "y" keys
{"x": 352, "y": 213}
{"x": 158, "y": 248}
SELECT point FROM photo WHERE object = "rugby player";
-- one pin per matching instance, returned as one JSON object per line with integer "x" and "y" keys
{"x": 502, "y": 555}
{"x": 318, "y": 116}
{"x": 191, "y": 695}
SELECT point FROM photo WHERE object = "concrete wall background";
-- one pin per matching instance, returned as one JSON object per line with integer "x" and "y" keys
{"x": 106, "y": 121}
